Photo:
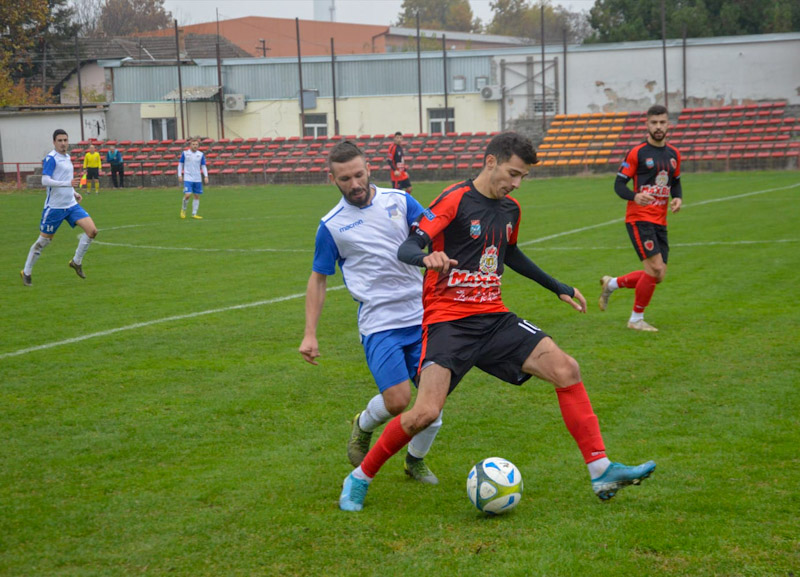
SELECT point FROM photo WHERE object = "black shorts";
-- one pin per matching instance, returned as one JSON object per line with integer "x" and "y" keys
{"x": 401, "y": 184}
{"x": 648, "y": 239}
{"x": 93, "y": 173}
{"x": 497, "y": 344}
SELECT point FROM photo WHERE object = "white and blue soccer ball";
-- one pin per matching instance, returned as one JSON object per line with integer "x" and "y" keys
{"x": 494, "y": 485}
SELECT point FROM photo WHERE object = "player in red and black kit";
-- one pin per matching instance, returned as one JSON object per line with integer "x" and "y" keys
{"x": 397, "y": 165}
{"x": 655, "y": 168}
{"x": 471, "y": 229}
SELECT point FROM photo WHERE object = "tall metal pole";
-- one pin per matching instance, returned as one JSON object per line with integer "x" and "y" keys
{"x": 564, "y": 32}
{"x": 221, "y": 93}
{"x": 419, "y": 75}
{"x": 664, "y": 51}
{"x": 544, "y": 71}
{"x": 444, "y": 64}
{"x": 333, "y": 83}
{"x": 300, "y": 73}
{"x": 180, "y": 82}
{"x": 80, "y": 89}
{"x": 684, "y": 67}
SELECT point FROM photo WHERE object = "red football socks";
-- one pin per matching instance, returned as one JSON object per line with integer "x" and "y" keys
{"x": 630, "y": 280}
{"x": 644, "y": 292}
{"x": 582, "y": 423}
{"x": 390, "y": 442}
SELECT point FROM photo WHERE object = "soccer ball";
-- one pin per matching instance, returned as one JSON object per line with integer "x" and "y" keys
{"x": 494, "y": 485}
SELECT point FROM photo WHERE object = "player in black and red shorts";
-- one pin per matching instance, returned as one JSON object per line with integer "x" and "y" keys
{"x": 397, "y": 165}
{"x": 471, "y": 229}
{"x": 655, "y": 168}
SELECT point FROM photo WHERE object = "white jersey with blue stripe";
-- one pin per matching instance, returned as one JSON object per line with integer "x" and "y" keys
{"x": 364, "y": 241}
{"x": 59, "y": 168}
{"x": 192, "y": 165}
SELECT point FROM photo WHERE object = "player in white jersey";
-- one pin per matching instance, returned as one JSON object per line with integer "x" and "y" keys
{"x": 362, "y": 233}
{"x": 61, "y": 204}
{"x": 192, "y": 172}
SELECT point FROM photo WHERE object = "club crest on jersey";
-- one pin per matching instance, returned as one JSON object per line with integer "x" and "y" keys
{"x": 649, "y": 245}
{"x": 673, "y": 163}
{"x": 509, "y": 231}
{"x": 649, "y": 163}
{"x": 393, "y": 211}
{"x": 488, "y": 263}
{"x": 475, "y": 228}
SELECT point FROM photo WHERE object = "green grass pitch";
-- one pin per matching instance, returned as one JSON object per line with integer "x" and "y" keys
{"x": 156, "y": 418}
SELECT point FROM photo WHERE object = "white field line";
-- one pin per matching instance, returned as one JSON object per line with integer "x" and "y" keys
{"x": 688, "y": 205}
{"x": 196, "y": 249}
{"x": 155, "y": 322}
{"x": 682, "y": 244}
{"x": 299, "y": 295}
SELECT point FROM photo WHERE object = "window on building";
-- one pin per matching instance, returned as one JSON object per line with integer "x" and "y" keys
{"x": 441, "y": 120}
{"x": 316, "y": 125}
{"x": 459, "y": 83}
{"x": 480, "y": 82}
{"x": 163, "y": 129}
{"x": 549, "y": 106}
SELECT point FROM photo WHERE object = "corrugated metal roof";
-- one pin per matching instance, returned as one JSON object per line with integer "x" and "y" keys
{"x": 357, "y": 75}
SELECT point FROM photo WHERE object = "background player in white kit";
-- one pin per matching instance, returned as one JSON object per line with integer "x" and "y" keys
{"x": 192, "y": 172}
{"x": 362, "y": 233}
{"x": 61, "y": 204}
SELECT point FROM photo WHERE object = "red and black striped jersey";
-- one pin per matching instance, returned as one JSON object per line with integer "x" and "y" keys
{"x": 654, "y": 169}
{"x": 475, "y": 231}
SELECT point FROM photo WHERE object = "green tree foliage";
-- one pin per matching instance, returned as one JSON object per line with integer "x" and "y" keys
{"x": 29, "y": 28}
{"x": 523, "y": 19}
{"x": 629, "y": 20}
{"x": 125, "y": 17}
{"x": 455, "y": 15}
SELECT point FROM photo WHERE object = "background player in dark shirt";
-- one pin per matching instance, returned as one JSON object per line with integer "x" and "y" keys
{"x": 655, "y": 168}
{"x": 397, "y": 164}
{"x": 472, "y": 231}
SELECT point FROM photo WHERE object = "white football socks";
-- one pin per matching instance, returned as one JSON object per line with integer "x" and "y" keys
{"x": 421, "y": 442}
{"x": 598, "y": 467}
{"x": 83, "y": 246}
{"x": 34, "y": 253}
{"x": 374, "y": 415}
{"x": 195, "y": 205}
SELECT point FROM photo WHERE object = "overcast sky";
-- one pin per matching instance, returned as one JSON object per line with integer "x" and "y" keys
{"x": 381, "y": 12}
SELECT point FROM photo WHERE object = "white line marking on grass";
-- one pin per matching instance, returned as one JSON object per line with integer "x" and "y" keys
{"x": 155, "y": 322}
{"x": 618, "y": 220}
{"x": 196, "y": 249}
{"x": 682, "y": 244}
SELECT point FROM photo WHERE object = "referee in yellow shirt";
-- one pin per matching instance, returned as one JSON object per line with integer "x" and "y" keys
{"x": 91, "y": 164}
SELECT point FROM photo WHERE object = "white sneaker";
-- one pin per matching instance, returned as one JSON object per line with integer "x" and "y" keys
{"x": 606, "y": 292}
{"x": 642, "y": 325}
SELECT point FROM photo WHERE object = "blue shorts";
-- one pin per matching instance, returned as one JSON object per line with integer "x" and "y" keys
{"x": 53, "y": 217}
{"x": 192, "y": 187}
{"x": 393, "y": 355}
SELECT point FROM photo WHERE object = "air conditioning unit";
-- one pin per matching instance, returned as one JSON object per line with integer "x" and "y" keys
{"x": 492, "y": 92}
{"x": 234, "y": 102}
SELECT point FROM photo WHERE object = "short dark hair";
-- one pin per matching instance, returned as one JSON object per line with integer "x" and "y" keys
{"x": 58, "y": 132}
{"x": 657, "y": 110}
{"x": 345, "y": 151}
{"x": 508, "y": 144}
{"x": 398, "y": 133}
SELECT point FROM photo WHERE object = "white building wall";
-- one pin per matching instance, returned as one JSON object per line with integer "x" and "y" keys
{"x": 27, "y": 137}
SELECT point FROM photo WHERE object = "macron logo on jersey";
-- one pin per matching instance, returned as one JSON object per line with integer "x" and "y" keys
{"x": 352, "y": 225}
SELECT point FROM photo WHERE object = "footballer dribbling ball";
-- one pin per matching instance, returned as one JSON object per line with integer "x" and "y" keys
{"x": 494, "y": 485}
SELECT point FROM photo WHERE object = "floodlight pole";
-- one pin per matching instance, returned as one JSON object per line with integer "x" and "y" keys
{"x": 300, "y": 73}
{"x": 80, "y": 89}
{"x": 180, "y": 83}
